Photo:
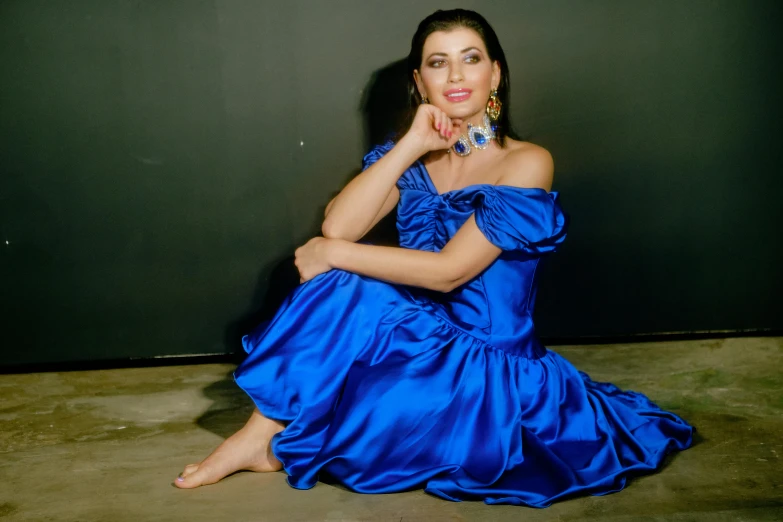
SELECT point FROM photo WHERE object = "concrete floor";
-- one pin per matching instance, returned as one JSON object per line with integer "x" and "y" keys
{"x": 105, "y": 445}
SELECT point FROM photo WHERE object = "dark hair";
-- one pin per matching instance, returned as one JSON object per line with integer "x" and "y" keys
{"x": 447, "y": 21}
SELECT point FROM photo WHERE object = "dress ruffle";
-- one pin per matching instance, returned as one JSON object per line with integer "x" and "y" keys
{"x": 527, "y": 219}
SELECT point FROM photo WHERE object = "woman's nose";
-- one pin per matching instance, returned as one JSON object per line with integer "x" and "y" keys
{"x": 455, "y": 74}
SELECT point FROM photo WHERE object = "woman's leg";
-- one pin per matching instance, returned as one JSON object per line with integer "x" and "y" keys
{"x": 248, "y": 449}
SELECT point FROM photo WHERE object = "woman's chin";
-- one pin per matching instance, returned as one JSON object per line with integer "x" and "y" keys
{"x": 464, "y": 113}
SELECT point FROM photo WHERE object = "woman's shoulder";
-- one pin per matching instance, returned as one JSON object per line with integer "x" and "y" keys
{"x": 526, "y": 165}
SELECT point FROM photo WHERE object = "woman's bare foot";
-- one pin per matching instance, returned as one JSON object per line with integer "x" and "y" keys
{"x": 248, "y": 449}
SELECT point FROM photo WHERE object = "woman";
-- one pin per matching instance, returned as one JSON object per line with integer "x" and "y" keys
{"x": 398, "y": 368}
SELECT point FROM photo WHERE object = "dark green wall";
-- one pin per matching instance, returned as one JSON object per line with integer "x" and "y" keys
{"x": 161, "y": 160}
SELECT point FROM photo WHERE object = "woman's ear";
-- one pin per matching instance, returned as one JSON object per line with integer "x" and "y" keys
{"x": 495, "y": 74}
{"x": 419, "y": 83}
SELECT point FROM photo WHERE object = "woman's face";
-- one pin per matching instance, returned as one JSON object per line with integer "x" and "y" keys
{"x": 456, "y": 73}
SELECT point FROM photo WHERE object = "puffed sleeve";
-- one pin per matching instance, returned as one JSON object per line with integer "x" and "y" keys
{"x": 525, "y": 219}
{"x": 376, "y": 153}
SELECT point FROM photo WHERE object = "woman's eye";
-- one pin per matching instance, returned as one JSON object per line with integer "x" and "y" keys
{"x": 436, "y": 63}
{"x": 472, "y": 58}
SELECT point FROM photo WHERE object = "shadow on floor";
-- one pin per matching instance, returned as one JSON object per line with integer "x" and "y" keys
{"x": 230, "y": 407}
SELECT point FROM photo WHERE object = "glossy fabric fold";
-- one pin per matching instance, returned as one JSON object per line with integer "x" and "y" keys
{"x": 388, "y": 388}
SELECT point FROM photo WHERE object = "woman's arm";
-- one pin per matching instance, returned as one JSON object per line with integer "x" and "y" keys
{"x": 465, "y": 256}
{"x": 373, "y": 193}
{"x": 370, "y": 195}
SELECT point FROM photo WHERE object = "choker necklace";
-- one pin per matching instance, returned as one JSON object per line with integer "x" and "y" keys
{"x": 479, "y": 136}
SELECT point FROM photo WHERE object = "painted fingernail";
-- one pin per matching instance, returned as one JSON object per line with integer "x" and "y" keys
{"x": 180, "y": 479}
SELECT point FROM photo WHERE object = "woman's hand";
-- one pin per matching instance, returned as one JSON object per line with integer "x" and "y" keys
{"x": 432, "y": 129}
{"x": 311, "y": 259}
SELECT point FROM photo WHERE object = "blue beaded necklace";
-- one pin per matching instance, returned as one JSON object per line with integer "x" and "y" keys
{"x": 478, "y": 136}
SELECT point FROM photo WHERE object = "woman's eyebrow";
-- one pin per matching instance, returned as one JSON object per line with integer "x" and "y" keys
{"x": 462, "y": 51}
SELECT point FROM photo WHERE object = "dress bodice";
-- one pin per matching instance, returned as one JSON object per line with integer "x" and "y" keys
{"x": 526, "y": 223}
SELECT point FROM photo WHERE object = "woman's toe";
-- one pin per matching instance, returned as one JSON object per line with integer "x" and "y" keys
{"x": 184, "y": 479}
{"x": 189, "y": 469}
{"x": 193, "y": 479}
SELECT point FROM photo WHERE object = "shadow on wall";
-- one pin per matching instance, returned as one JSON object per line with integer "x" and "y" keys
{"x": 384, "y": 103}
{"x": 382, "y": 107}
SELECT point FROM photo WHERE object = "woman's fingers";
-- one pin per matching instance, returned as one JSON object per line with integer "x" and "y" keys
{"x": 447, "y": 129}
{"x": 440, "y": 124}
{"x": 436, "y": 119}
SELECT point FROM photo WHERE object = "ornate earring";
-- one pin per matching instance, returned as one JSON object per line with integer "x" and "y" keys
{"x": 424, "y": 99}
{"x": 493, "y": 109}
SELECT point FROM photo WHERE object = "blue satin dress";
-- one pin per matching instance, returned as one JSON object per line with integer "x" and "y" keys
{"x": 388, "y": 388}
